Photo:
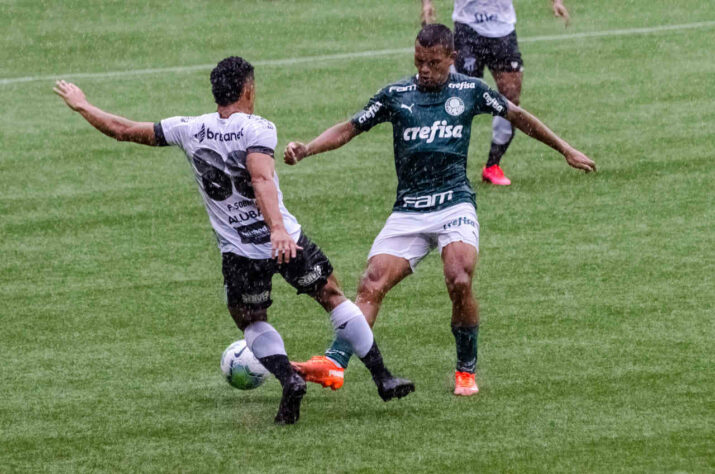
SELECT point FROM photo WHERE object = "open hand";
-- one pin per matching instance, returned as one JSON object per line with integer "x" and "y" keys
{"x": 579, "y": 161}
{"x": 283, "y": 248}
{"x": 71, "y": 94}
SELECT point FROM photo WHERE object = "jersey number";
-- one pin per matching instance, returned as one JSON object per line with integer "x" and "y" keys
{"x": 217, "y": 183}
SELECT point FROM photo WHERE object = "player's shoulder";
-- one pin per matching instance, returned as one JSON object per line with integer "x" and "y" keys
{"x": 260, "y": 122}
{"x": 399, "y": 87}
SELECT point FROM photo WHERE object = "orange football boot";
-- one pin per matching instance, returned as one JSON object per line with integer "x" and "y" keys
{"x": 494, "y": 174}
{"x": 465, "y": 384}
{"x": 320, "y": 369}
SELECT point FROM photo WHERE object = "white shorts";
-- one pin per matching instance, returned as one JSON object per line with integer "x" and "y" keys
{"x": 411, "y": 235}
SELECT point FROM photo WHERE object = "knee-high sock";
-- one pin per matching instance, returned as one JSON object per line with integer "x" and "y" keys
{"x": 352, "y": 333}
{"x": 263, "y": 340}
{"x": 350, "y": 325}
{"x": 502, "y": 135}
{"x": 465, "y": 338}
{"x": 267, "y": 345}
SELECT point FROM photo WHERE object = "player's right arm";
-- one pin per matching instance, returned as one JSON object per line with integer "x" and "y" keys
{"x": 375, "y": 111}
{"x": 334, "y": 137}
{"x": 119, "y": 128}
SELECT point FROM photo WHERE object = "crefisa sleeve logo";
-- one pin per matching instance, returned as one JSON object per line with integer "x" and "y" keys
{"x": 454, "y": 106}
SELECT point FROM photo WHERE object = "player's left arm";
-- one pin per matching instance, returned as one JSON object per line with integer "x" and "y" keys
{"x": 533, "y": 127}
{"x": 560, "y": 11}
{"x": 115, "y": 126}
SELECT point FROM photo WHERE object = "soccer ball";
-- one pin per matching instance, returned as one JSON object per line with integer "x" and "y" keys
{"x": 241, "y": 368}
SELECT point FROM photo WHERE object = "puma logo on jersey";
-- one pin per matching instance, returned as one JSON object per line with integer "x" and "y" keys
{"x": 439, "y": 129}
{"x": 403, "y": 106}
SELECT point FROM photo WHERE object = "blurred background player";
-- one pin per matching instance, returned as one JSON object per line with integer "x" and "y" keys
{"x": 431, "y": 115}
{"x": 231, "y": 154}
{"x": 484, "y": 35}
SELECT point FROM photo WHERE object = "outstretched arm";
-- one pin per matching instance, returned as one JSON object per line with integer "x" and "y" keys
{"x": 533, "y": 127}
{"x": 261, "y": 168}
{"x": 334, "y": 137}
{"x": 114, "y": 126}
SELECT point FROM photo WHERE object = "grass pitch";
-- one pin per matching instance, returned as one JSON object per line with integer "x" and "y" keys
{"x": 596, "y": 291}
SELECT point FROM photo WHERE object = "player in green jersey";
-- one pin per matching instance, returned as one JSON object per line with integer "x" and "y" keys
{"x": 431, "y": 115}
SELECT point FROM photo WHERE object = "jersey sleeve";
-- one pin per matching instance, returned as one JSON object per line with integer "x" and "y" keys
{"x": 376, "y": 111}
{"x": 489, "y": 101}
{"x": 171, "y": 131}
{"x": 261, "y": 137}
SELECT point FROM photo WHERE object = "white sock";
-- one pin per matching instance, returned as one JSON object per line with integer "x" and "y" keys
{"x": 263, "y": 340}
{"x": 502, "y": 130}
{"x": 351, "y": 326}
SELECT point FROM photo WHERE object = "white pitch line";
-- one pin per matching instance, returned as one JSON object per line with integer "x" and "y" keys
{"x": 353, "y": 55}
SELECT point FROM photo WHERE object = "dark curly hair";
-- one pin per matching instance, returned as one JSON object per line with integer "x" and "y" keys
{"x": 228, "y": 79}
{"x": 436, "y": 34}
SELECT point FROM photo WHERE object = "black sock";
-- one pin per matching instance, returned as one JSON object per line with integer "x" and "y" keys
{"x": 465, "y": 338}
{"x": 497, "y": 151}
{"x": 373, "y": 362}
{"x": 278, "y": 365}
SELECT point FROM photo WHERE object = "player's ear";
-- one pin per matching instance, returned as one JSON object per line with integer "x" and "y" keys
{"x": 249, "y": 90}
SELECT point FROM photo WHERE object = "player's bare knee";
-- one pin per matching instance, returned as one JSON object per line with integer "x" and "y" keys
{"x": 243, "y": 316}
{"x": 330, "y": 295}
{"x": 459, "y": 284}
{"x": 372, "y": 287}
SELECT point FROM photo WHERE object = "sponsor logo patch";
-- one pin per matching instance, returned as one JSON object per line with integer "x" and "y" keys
{"x": 257, "y": 298}
{"x": 256, "y": 233}
{"x": 311, "y": 277}
{"x": 409, "y": 88}
{"x": 464, "y": 85}
{"x": 492, "y": 102}
{"x": 458, "y": 222}
{"x": 201, "y": 134}
{"x": 419, "y": 202}
{"x": 439, "y": 129}
{"x": 370, "y": 112}
{"x": 206, "y": 133}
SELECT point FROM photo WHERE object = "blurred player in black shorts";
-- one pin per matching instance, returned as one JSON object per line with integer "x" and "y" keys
{"x": 484, "y": 35}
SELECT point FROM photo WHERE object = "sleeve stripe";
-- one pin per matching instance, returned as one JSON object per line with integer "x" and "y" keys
{"x": 159, "y": 135}
{"x": 260, "y": 149}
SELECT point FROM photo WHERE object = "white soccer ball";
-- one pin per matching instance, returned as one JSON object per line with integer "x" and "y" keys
{"x": 241, "y": 368}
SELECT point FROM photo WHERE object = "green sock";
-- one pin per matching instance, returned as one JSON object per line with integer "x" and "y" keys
{"x": 340, "y": 352}
{"x": 465, "y": 338}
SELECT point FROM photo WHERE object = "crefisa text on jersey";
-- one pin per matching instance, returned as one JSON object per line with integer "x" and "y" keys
{"x": 430, "y": 133}
{"x": 462, "y": 85}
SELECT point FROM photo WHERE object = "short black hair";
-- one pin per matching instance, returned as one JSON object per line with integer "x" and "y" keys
{"x": 228, "y": 79}
{"x": 436, "y": 34}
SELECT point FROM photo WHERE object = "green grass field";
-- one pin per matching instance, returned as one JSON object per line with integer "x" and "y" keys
{"x": 597, "y": 291}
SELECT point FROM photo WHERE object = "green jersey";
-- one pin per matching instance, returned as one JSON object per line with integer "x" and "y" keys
{"x": 431, "y": 133}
